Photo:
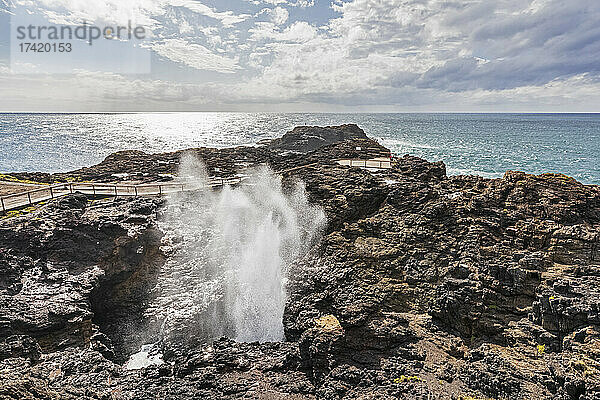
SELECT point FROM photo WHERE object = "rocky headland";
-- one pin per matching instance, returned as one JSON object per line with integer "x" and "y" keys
{"x": 423, "y": 286}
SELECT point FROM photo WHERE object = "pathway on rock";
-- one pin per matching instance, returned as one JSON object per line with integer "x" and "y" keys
{"x": 31, "y": 197}
{"x": 49, "y": 192}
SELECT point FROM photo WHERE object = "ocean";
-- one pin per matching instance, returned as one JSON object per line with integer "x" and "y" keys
{"x": 482, "y": 144}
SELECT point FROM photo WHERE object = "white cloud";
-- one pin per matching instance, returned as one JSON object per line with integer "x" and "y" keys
{"x": 195, "y": 56}
{"x": 298, "y": 32}
{"x": 5, "y": 6}
{"x": 262, "y": 31}
{"x": 296, "y": 3}
{"x": 227, "y": 18}
{"x": 141, "y": 12}
{"x": 279, "y": 15}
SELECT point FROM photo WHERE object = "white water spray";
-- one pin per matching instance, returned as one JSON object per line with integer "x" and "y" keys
{"x": 230, "y": 254}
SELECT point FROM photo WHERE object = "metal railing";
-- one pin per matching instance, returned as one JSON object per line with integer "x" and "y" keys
{"x": 31, "y": 197}
{"x": 372, "y": 163}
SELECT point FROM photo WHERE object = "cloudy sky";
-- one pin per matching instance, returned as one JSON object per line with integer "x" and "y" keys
{"x": 316, "y": 55}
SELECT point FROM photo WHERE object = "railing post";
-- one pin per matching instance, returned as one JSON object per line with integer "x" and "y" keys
{"x": 116, "y": 193}
{"x": 29, "y": 197}
{"x": 182, "y": 187}
{"x": 3, "y": 206}
{"x": 135, "y": 189}
{"x": 71, "y": 187}
{"x": 159, "y": 190}
{"x": 51, "y": 193}
{"x": 94, "y": 190}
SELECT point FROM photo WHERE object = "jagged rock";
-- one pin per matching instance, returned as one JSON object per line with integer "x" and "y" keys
{"x": 20, "y": 346}
{"x": 69, "y": 265}
{"x": 304, "y": 139}
{"x": 423, "y": 286}
{"x": 317, "y": 343}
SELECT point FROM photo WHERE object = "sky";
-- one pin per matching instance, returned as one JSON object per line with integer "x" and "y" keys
{"x": 310, "y": 56}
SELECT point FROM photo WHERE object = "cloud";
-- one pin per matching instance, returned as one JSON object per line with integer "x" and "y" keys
{"x": 533, "y": 44}
{"x": 5, "y": 6}
{"x": 227, "y": 18}
{"x": 383, "y": 45}
{"x": 364, "y": 52}
{"x": 195, "y": 56}
{"x": 298, "y": 32}
{"x": 90, "y": 91}
{"x": 93, "y": 91}
{"x": 279, "y": 15}
{"x": 141, "y": 12}
{"x": 296, "y": 3}
{"x": 72, "y": 12}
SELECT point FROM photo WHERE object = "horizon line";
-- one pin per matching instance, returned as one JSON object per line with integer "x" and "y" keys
{"x": 302, "y": 112}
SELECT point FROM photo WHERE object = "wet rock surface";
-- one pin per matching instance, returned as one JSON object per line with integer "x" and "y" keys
{"x": 62, "y": 267}
{"x": 423, "y": 286}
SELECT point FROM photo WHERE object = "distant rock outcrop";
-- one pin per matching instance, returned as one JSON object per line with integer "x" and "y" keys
{"x": 304, "y": 139}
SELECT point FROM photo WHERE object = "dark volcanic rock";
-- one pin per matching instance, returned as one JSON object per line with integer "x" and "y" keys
{"x": 423, "y": 287}
{"x": 476, "y": 286}
{"x": 57, "y": 265}
{"x": 304, "y": 139}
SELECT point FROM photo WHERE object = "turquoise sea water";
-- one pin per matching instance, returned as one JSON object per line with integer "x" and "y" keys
{"x": 483, "y": 144}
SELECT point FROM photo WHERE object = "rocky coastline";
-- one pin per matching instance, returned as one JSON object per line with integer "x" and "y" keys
{"x": 423, "y": 286}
